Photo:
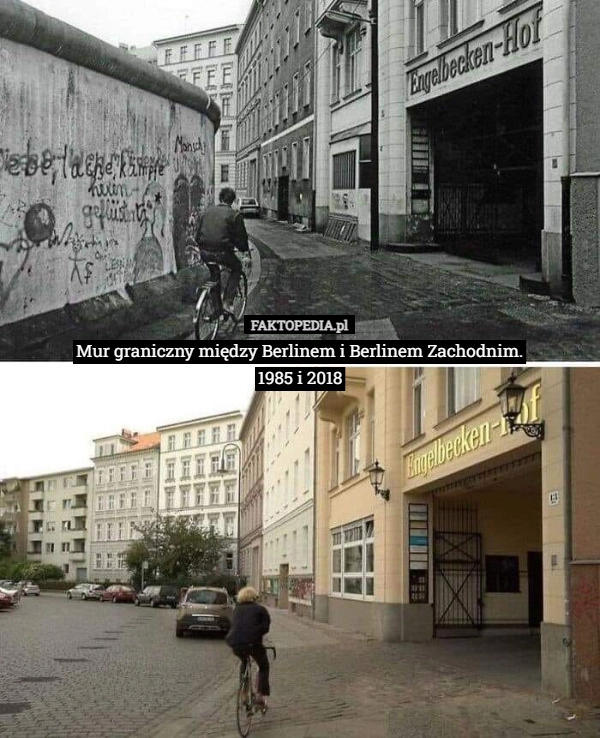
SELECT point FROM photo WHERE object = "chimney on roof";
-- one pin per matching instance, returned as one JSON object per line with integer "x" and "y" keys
{"x": 126, "y": 433}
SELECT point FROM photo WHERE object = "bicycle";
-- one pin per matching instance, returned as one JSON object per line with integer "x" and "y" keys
{"x": 246, "y": 706}
{"x": 209, "y": 313}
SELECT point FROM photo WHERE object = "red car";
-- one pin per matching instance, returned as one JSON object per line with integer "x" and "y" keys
{"x": 6, "y": 601}
{"x": 118, "y": 593}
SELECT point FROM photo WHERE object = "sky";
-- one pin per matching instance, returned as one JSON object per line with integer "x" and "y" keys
{"x": 139, "y": 22}
{"x": 51, "y": 412}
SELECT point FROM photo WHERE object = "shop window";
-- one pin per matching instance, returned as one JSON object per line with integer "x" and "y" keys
{"x": 365, "y": 165}
{"x": 463, "y": 387}
{"x": 502, "y": 574}
{"x": 352, "y": 560}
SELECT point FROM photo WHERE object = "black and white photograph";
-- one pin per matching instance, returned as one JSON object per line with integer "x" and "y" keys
{"x": 427, "y": 166}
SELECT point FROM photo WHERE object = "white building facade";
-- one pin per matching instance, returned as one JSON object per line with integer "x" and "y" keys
{"x": 192, "y": 483}
{"x": 57, "y": 525}
{"x": 288, "y": 500}
{"x": 125, "y": 496}
{"x": 207, "y": 59}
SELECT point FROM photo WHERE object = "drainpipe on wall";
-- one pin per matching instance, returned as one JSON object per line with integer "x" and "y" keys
{"x": 567, "y": 491}
{"x": 566, "y": 243}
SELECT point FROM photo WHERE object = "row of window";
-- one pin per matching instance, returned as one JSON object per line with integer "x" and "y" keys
{"x": 199, "y": 468}
{"x": 65, "y": 547}
{"x": 462, "y": 389}
{"x": 65, "y": 526}
{"x": 109, "y": 561}
{"x": 120, "y": 501}
{"x": 199, "y": 51}
{"x": 67, "y": 504}
{"x": 201, "y": 437}
{"x": 195, "y": 497}
{"x": 286, "y": 490}
{"x": 196, "y": 77}
{"x": 276, "y": 551}
{"x": 49, "y": 485}
{"x": 345, "y": 170}
{"x": 124, "y": 473}
{"x": 353, "y": 559}
{"x": 275, "y": 166}
{"x": 116, "y": 531}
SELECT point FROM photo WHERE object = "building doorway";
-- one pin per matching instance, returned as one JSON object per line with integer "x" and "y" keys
{"x": 487, "y": 142}
{"x": 535, "y": 579}
{"x": 284, "y": 579}
{"x": 283, "y": 195}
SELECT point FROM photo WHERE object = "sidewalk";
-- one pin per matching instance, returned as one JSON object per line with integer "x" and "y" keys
{"x": 328, "y": 683}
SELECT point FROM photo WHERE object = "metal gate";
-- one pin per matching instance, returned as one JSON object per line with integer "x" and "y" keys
{"x": 457, "y": 569}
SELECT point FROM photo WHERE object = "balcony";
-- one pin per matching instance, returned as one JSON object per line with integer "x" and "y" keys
{"x": 77, "y": 555}
{"x": 34, "y": 555}
{"x": 36, "y": 514}
{"x": 35, "y": 535}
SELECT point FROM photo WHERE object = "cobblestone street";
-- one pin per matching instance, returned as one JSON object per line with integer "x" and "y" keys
{"x": 433, "y": 297}
{"x": 131, "y": 676}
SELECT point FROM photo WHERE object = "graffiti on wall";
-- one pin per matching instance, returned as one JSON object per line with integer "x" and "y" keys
{"x": 301, "y": 588}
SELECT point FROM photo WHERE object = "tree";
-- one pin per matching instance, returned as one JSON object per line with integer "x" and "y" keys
{"x": 36, "y": 572}
{"x": 135, "y": 555}
{"x": 6, "y": 541}
{"x": 176, "y": 547}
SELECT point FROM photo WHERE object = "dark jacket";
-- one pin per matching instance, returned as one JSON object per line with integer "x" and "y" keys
{"x": 221, "y": 228}
{"x": 250, "y": 623}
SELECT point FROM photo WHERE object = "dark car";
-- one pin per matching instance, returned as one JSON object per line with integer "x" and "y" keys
{"x": 156, "y": 595}
{"x": 118, "y": 593}
{"x": 204, "y": 609}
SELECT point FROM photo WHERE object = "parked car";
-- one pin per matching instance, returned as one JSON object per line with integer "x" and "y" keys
{"x": 6, "y": 601}
{"x": 156, "y": 595}
{"x": 85, "y": 591}
{"x": 30, "y": 588}
{"x": 118, "y": 593}
{"x": 11, "y": 590}
{"x": 248, "y": 206}
{"x": 204, "y": 609}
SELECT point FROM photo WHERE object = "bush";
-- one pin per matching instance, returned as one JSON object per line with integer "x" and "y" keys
{"x": 52, "y": 585}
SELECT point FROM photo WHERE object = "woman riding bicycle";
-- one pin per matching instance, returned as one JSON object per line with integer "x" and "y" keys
{"x": 221, "y": 230}
{"x": 251, "y": 622}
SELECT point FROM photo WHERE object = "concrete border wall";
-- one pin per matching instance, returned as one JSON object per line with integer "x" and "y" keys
{"x": 105, "y": 162}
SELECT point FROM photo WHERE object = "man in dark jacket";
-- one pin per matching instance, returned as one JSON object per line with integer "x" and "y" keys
{"x": 221, "y": 230}
{"x": 251, "y": 622}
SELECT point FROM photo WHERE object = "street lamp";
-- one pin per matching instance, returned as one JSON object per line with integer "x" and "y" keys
{"x": 511, "y": 402}
{"x": 224, "y": 470}
{"x": 376, "y": 473}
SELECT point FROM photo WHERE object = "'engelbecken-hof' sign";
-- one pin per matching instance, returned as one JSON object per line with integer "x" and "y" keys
{"x": 512, "y": 37}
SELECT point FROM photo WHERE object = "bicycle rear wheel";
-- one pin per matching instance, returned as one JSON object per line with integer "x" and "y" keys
{"x": 206, "y": 317}
{"x": 241, "y": 298}
{"x": 244, "y": 709}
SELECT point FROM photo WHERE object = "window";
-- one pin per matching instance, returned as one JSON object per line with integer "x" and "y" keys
{"x": 216, "y": 434}
{"x": 295, "y": 92}
{"x": 354, "y": 69}
{"x": 307, "y": 470}
{"x": 199, "y": 466}
{"x": 66, "y": 504}
{"x": 213, "y": 522}
{"x": 121, "y": 500}
{"x": 297, "y": 28}
{"x": 147, "y": 496}
{"x": 168, "y": 59}
{"x": 109, "y": 529}
{"x": 98, "y": 531}
{"x": 294, "y": 171}
{"x": 230, "y": 461}
{"x": 231, "y": 433}
{"x": 66, "y": 526}
{"x": 49, "y": 548}
{"x": 418, "y": 401}
{"x": 227, "y": 45}
{"x": 197, "y": 51}
{"x": 227, "y": 72}
{"x": 171, "y": 443}
{"x": 133, "y": 500}
{"x": 211, "y": 75}
{"x": 365, "y": 166}
{"x": 459, "y": 14}
{"x": 306, "y": 86}
{"x": 419, "y": 26}
{"x": 214, "y": 494}
{"x": 215, "y": 464}
{"x": 109, "y": 560}
{"x": 51, "y": 505}
{"x": 185, "y": 496}
{"x": 224, "y": 172}
{"x": 121, "y": 473}
{"x": 100, "y": 476}
{"x": 111, "y": 475}
{"x": 306, "y": 158}
{"x": 201, "y": 438}
{"x": 226, "y": 106}
{"x": 502, "y": 574}
{"x": 65, "y": 547}
{"x": 276, "y": 109}
{"x": 120, "y": 530}
{"x": 344, "y": 171}
{"x": 185, "y": 467}
{"x": 199, "y": 492}
{"x": 212, "y": 48}
{"x": 98, "y": 561}
{"x": 100, "y": 503}
{"x": 134, "y": 471}
{"x": 183, "y": 53}
{"x": 225, "y": 139}
{"x": 353, "y": 435}
{"x": 187, "y": 440}
{"x": 229, "y": 492}
{"x": 147, "y": 470}
{"x": 352, "y": 559}
{"x": 229, "y": 523}
{"x": 285, "y": 103}
{"x": 463, "y": 387}
{"x": 170, "y": 470}
{"x": 120, "y": 561}
{"x": 51, "y": 527}
{"x": 111, "y": 502}
{"x": 170, "y": 499}
{"x": 131, "y": 530}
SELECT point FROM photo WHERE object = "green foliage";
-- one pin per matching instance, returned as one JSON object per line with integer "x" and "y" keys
{"x": 176, "y": 550}
{"x": 7, "y": 543}
{"x": 36, "y": 572}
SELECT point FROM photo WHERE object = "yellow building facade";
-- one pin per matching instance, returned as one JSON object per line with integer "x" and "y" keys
{"x": 477, "y": 535}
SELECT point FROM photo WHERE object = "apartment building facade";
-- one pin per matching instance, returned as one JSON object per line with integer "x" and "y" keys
{"x": 252, "y": 439}
{"x": 199, "y": 476}
{"x": 485, "y": 531}
{"x": 57, "y": 520}
{"x": 288, "y": 507}
{"x": 125, "y": 496}
{"x": 250, "y": 70}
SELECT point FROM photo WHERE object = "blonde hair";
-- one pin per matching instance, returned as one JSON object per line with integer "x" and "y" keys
{"x": 247, "y": 594}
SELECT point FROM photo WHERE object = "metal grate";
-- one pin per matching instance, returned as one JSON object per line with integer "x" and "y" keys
{"x": 341, "y": 229}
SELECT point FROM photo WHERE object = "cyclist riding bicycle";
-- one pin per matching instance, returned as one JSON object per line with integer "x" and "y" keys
{"x": 251, "y": 622}
{"x": 221, "y": 230}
